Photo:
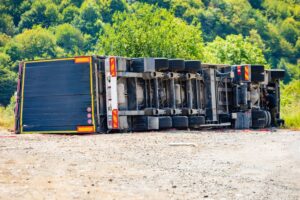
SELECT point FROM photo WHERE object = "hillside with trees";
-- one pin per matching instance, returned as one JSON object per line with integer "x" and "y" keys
{"x": 216, "y": 31}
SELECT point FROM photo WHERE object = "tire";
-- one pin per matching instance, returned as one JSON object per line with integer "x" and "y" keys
{"x": 180, "y": 122}
{"x": 165, "y": 122}
{"x": 192, "y": 66}
{"x": 268, "y": 118}
{"x": 224, "y": 118}
{"x": 196, "y": 121}
{"x": 259, "y": 119}
{"x": 176, "y": 65}
{"x": 161, "y": 64}
{"x": 145, "y": 123}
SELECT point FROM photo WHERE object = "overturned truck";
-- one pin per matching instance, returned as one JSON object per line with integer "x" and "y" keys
{"x": 90, "y": 94}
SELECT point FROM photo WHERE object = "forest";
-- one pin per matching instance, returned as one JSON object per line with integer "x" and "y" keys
{"x": 213, "y": 31}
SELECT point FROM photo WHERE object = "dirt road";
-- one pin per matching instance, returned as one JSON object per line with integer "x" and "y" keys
{"x": 174, "y": 165}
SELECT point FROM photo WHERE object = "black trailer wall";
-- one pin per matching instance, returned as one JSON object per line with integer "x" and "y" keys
{"x": 57, "y": 96}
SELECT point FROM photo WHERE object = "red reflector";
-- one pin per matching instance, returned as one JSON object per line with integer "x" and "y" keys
{"x": 85, "y": 129}
{"x": 113, "y": 69}
{"x": 115, "y": 118}
{"x": 82, "y": 60}
{"x": 239, "y": 71}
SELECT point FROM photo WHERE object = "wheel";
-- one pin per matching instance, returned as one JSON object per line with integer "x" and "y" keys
{"x": 165, "y": 122}
{"x": 259, "y": 119}
{"x": 161, "y": 64}
{"x": 180, "y": 122}
{"x": 196, "y": 121}
{"x": 192, "y": 66}
{"x": 224, "y": 118}
{"x": 176, "y": 65}
{"x": 145, "y": 123}
{"x": 268, "y": 118}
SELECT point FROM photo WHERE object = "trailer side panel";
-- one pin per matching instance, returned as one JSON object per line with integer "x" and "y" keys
{"x": 57, "y": 96}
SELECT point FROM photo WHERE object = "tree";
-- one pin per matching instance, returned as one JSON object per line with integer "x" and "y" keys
{"x": 4, "y": 39}
{"x": 89, "y": 22}
{"x": 69, "y": 38}
{"x": 14, "y": 8}
{"x": 69, "y": 13}
{"x": 6, "y": 24}
{"x": 256, "y": 3}
{"x": 109, "y": 7}
{"x": 289, "y": 30}
{"x": 147, "y": 30}
{"x": 234, "y": 50}
{"x": 4, "y": 59}
{"x": 7, "y": 85}
{"x": 89, "y": 19}
{"x": 31, "y": 44}
{"x": 292, "y": 72}
{"x": 44, "y": 13}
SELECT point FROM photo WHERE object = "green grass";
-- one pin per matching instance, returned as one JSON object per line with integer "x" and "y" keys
{"x": 290, "y": 104}
{"x": 291, "y": 115}
{"x": 6, "y": 117}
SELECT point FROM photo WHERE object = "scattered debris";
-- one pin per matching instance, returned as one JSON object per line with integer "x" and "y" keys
{"x": 183, "y": 144}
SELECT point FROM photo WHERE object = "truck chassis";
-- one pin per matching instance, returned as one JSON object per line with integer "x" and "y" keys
{"x": 90, "y": 94}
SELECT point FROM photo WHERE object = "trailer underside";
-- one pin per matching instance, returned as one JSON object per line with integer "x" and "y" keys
{"x": 117, "y": 94}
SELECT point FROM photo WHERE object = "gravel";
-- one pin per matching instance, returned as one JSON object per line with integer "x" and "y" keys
{"x": 223, "y": 164}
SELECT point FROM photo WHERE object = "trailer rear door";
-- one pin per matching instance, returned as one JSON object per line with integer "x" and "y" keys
{"x": 57, "y": 96}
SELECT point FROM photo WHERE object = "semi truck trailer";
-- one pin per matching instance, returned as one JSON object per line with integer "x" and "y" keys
{"x": 101, "y": 94}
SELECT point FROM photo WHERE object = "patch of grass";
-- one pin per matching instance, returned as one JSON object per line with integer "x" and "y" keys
{"x": 290, "y": 104}
{"x": 7, "y": 117}
{"x": 291, "y": 115}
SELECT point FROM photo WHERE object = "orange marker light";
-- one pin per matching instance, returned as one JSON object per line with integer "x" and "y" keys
{"x": 113, "y": 67}
{"x": 247, "y": 73}
{"x": 83, "y": 59}
{"x": 85, "y": 129}
{"x": 115, "y": 118}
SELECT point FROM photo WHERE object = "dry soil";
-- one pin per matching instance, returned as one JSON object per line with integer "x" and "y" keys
{"x": 222, "y": 164}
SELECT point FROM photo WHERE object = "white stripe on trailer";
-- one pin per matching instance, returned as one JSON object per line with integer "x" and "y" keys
{"x": 111, "y": 92}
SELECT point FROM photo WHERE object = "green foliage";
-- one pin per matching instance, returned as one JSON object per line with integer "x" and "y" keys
{"x": 277, "y": 22}
{"x": 31, "y": 44}
{"x": 70, "y": 39}
{"x": 4, "y": 59}
{"x": 289, "y": 30}
{"x": 234, "y": 49}
{"x": 7, "y": 85}
{"x": 4, "y": 39}
{"x": 6, "y": 24}
{"x": 14, "y": 8}
{"x": 149, "y": 31}
{"x": 69, "y": 13}
{"x": 109, "y": 7}
{"x": 89, "y": 21}
{"x": 44, "y": 13}
{"x": 290, "y": 104}
{"x": 89, "y": 18}
{"x": 7, "y": 114}
{"x": 292, "y": 72}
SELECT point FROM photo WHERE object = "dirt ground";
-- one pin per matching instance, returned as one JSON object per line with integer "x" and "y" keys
{"x": 223, "y": 164}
